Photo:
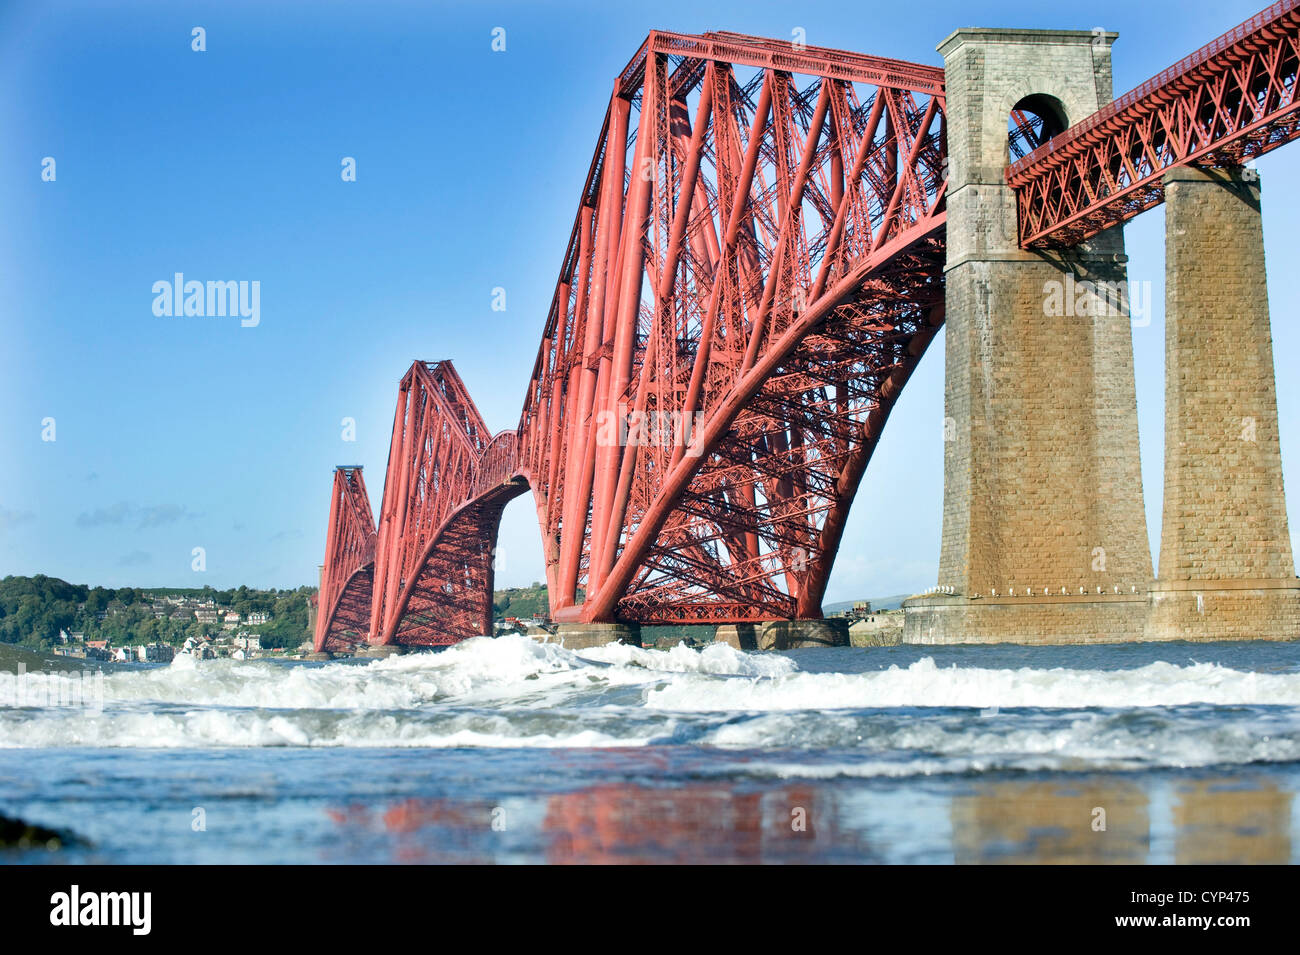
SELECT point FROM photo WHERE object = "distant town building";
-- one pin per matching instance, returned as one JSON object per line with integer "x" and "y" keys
{"x": 155, "y": 653}
{"x": 258, "y": 617}
{"x": 199, "y": 648}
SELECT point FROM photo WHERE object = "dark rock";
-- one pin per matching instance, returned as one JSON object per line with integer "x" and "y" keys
{"x": 19, "y": 834}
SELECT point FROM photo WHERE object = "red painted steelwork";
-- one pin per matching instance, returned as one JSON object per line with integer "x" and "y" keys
{"x": 343, "y": 617}
{"x": 446, "y": 485}
{"x": 1227, "y": 103}
{"x": 753, "y": 272}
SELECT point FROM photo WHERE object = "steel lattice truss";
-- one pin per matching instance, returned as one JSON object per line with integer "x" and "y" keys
{"x": 754, "y": 270}
{"x": 1232, "y": 100}
{"x": 347, "y": 578}
{"x": 446, "y": 485}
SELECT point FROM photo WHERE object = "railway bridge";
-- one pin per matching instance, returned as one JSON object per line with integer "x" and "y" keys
{"x": 766, "y": 241}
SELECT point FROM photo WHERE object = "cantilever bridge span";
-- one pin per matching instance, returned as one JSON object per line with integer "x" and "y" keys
{"x": 754, "y": 269}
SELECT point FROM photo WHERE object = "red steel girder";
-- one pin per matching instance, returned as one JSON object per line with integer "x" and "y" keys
{"x": 755, "y": 268}
{"x": 343, "y": 615}
{"x": 1230, "y": 101}
{"x": 739, "y": 49}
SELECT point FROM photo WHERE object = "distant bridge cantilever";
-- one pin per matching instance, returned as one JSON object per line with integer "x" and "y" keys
{"x": 347, "y": 579}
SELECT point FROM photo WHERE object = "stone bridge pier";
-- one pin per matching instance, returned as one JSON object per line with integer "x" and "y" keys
{"x": 1226, "y": 568}
{"x": 1044, "y": 530}
{"x": 1044, "y": 533}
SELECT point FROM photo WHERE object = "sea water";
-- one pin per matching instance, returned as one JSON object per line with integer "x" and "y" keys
{"x": 508, "y": 750}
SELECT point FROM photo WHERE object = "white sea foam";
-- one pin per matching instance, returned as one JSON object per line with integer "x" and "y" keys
{"x": 233, "y": 727}
{"x": 909, "y": 745}
{"x": 514, "y": 692}
{"x": 717, "y": 659}
{"x": 925, "y": 684}
{"x": 515, "y": 670}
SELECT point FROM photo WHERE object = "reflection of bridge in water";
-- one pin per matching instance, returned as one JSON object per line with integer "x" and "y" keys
{"x": 1210, "y": 820}
{"x": 617, "y": 824}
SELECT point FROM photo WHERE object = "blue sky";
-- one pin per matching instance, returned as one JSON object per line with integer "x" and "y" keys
{"x": 176, "y": 433}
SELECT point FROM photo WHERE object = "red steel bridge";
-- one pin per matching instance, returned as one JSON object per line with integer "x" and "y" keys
{"x": 754, "y": 269}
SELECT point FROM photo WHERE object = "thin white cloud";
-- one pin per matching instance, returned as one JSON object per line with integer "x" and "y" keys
{"x": 122, "y": 513}
{"x": 10, "y": 518}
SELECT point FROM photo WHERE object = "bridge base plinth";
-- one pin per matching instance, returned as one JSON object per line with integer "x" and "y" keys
{"x": 885, "y": 631}
{"x": 739, "y": 636}
{"x": 1210, "y": 610}
{"x": 379, "y": 651}
{"x": 1045, "y": 620}
{"x": 581, "y": 636}
{"x": 798, "y": 634}
{"x": 319, "y": 656}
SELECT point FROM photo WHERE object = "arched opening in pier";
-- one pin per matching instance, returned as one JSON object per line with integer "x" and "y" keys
{"x": 1033, "y": 121}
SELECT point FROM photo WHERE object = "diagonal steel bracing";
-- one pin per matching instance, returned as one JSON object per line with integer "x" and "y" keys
{"x": 1230, "y": 101}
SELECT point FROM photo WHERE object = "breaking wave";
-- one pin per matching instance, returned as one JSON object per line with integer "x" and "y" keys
{"x": 513, "y": 692}
{"x": 926, "y": 684}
